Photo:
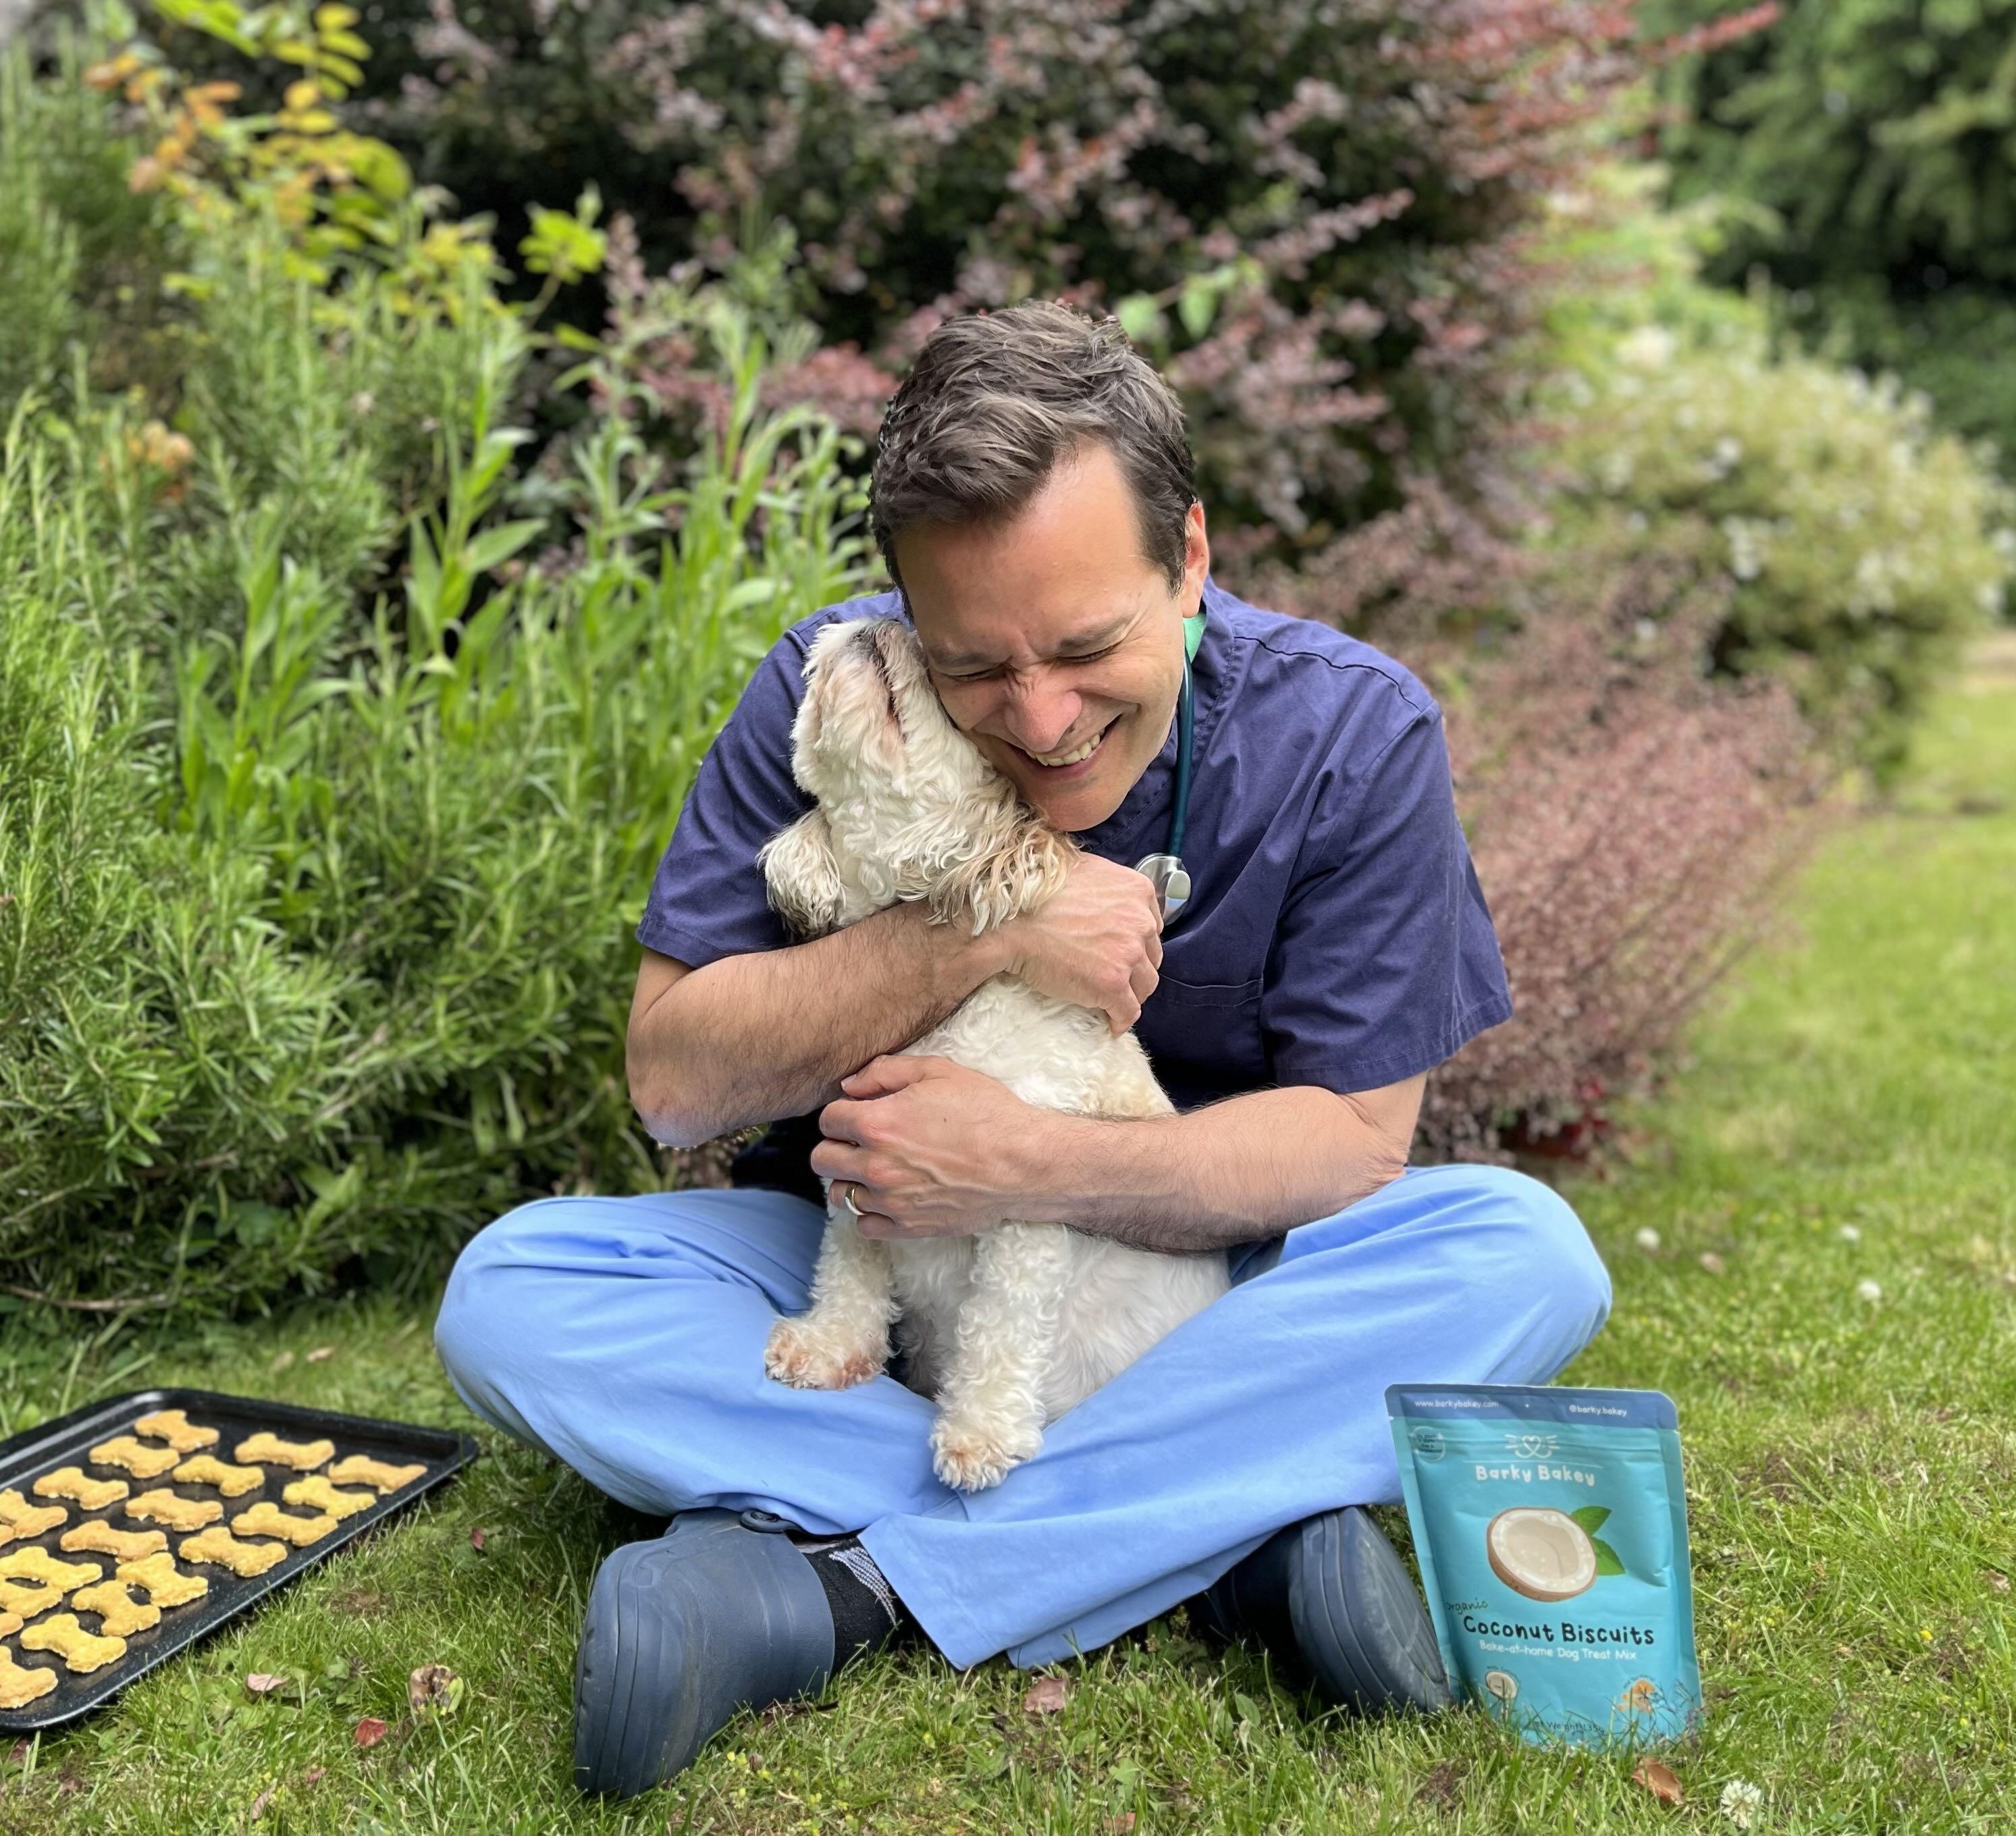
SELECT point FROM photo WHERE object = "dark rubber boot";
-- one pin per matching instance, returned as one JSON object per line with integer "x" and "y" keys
{"x": 679, "y": 1633}
{"x": 1333, "y": 1602}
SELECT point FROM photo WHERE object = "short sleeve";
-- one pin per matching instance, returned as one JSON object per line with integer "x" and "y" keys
{"x": 1384, "y": 962}
{"x": 709, "y": 899}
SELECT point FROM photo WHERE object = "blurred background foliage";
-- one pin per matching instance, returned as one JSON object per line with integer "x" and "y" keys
{"x": 418, "y": 423}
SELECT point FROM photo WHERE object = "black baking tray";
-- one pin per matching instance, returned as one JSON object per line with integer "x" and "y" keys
{"x": 67, "y": 1441}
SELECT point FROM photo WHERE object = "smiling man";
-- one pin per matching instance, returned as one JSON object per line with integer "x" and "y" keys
{"x": 1033, "y": 499}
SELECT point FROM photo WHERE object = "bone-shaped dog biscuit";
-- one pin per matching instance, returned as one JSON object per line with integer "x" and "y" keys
{"x": 118, "y": 1612}
{"x": 101, "y": 1539}
{"x": 164, "y": 1506}
{"x": 36, "y": 1563}
{"x": 166, "y": 1586}
{"x": 268, "y": 1520}
{"x": 219, "y": 1546}
{"x": 10, "y": 1622}
{"x": 141, "y": 1461}
{"x": 20, "y": 1519}
{"x": 74, "y": 1482}
{"x": 28, "y": 1597}
{"x": 303, "y": 1456}
{"x": 173, "y": 1427}
{"x": 82, "y": 1651}
{"x": 323, "y": 1496}
{"x": 21, "y": 1683}
{"x": 357, "y": 1469}
{"x": 233, "y": 1482}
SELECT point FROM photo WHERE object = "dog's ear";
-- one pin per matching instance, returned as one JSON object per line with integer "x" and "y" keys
{"x": 803, "y": 874}
{"x": 1021, "y": 865}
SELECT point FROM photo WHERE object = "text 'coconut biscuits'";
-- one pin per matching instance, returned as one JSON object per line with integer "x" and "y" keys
{"x": 82, "y": 1651}
{"x": 318, "y": 1492}
{"x": 119, "y": 1614}
{"x": 23, "y": 1683}
{"x": 20, "y": 1519}
{"x": 141, "y": 1461}
{"x": 358, "y": 1469}
{"x": 218, "y": 1547}
{"x": 266, "y": 1519}
{"x": 166, "y": 1584}
{"x": 270, "y": 1450}
{"x": 101, "y": 1539}
{"x": 173, "y": 1427}
{"x": 171, "y": 1508}
{"x": 75, "y": 1484}
{"x": 233, "y": 1482}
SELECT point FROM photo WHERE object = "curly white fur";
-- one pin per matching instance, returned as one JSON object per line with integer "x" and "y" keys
{"x": 1010, "y": 1328}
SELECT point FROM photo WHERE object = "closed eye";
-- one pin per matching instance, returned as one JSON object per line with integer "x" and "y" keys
{"x": 980, "y": 675}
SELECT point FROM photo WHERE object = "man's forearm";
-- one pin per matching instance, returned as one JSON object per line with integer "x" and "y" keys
{"x": 749, "y": 1039}
{"x": 1250, "y": 1168}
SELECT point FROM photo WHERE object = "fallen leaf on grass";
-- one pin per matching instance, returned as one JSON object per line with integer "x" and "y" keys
{"x": 283, "y": 1360}
{"x": 1122, "y": 1825}
{"x": 17, "y": 1755}
{"x": 259, "y": 1804}
{"x": 314, "y": 1775}
{"x": 1659, "y": 1780}
{"x": 435, "y": 1687}
{"x": 370, "y": 1731}
{"x": 321, "y": 1354}
{"x": 1046, "y": 1696}
{"x": 476, "y": 1539}
{"x": 263, "y": 1682}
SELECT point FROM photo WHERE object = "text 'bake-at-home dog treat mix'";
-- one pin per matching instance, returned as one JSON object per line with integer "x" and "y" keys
{"x": 1552, "y": 1535}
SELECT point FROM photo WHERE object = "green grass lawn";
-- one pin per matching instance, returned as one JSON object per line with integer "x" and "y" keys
{"x": 1845, "y": 1119}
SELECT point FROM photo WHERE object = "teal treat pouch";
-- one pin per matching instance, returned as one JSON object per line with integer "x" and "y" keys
{"x": 1552, "y": 1534}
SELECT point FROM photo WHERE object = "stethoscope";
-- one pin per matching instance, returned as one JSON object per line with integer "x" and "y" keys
{"x": 1165, "y": 870}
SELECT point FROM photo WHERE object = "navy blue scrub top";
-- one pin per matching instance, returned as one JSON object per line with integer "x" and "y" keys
{"x": 1335, "y": 935}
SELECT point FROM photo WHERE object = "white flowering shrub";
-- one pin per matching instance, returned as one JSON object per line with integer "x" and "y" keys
{"x": 1860, "y": 544}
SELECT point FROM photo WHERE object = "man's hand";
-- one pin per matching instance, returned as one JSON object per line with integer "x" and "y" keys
{"x": 1097, "y": 943}
{"x": 930, "y": 1148}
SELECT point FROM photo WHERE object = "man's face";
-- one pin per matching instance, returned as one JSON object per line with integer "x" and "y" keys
{"x": 1052, "y": 633}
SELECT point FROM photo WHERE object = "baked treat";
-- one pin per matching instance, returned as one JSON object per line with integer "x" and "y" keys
{"x": 82, "y": 1651}
{"x": 233, "y": 1482}
{"x": 318, "y": 1492}
{"x": 218, "y": 1547}
{"x": 28, "y": 1597}
{"x": 101, "y": 1539}
{"x": 118, "y": 1612}
{"x": 268, "y": 1520}
{"x": 20, "y": 1519}
{"x": 164, "y": 1506}
{"x": 165, "y": 1585}
{"x": 74, "y": 1482}
{"x": 172, "y": 1425}
{"x": 142, "y": 1462}
{"x": 36, "y": 1563}
{"x": 303, "y": 1456}
{"x": 358, "y": 1469}
{"x": 10, "y": 1622}
{"x": 22, "y": 1683}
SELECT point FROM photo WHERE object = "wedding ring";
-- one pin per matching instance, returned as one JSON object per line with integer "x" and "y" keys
{"x": 847, "y": 1199}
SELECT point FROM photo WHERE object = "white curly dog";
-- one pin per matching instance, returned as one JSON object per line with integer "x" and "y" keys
{"x": 1009, "y": 1328}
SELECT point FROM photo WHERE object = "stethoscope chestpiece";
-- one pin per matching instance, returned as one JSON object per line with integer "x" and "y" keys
{"x": 1165, "y": 873}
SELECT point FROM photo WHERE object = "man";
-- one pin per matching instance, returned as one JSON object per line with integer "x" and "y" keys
{"x": 1033, "y": 499}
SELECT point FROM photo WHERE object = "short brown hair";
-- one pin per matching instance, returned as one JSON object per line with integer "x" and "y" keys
{"x": 996, "y": 401}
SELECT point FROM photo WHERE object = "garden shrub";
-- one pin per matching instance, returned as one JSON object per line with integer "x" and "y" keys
{"x": 1311, "y": 213}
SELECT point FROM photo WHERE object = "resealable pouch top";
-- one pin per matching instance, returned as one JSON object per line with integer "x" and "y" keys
{"x": 1552, "y": 1534}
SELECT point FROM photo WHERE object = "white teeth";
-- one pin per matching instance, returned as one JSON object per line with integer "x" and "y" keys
{"x": 1069, "y": 758}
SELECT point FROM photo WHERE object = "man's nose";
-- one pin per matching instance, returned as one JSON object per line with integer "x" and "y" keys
{"x": 1039, "y": 715}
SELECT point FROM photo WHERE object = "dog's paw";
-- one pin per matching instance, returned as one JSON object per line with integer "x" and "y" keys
{"x": 971, "y": 1455}
{"x": 800, "y": 1355}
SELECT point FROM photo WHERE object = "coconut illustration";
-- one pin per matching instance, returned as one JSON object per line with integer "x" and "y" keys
{"x": 1544, "y": 1554}
{"x": 1502, "y": 1684}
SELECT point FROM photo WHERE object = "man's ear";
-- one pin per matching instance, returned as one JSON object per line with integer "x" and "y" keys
{"x": 1021, "y": 864}
{"x": 803, "y": 874}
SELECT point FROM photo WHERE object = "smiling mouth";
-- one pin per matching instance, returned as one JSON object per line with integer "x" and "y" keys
{"x": 1058, "y": 760}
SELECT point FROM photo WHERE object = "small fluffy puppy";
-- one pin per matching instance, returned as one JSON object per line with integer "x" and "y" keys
{"x": 1009, "y": 1328}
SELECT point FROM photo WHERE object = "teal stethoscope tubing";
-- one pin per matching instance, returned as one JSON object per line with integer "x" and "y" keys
{"x": 1179, "y": 815}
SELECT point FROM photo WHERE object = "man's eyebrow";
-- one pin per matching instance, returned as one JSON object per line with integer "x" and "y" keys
{"x": 1091, "y": 640}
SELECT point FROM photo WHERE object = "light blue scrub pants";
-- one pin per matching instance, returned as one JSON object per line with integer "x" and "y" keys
{"x": 625, "y": 1337}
